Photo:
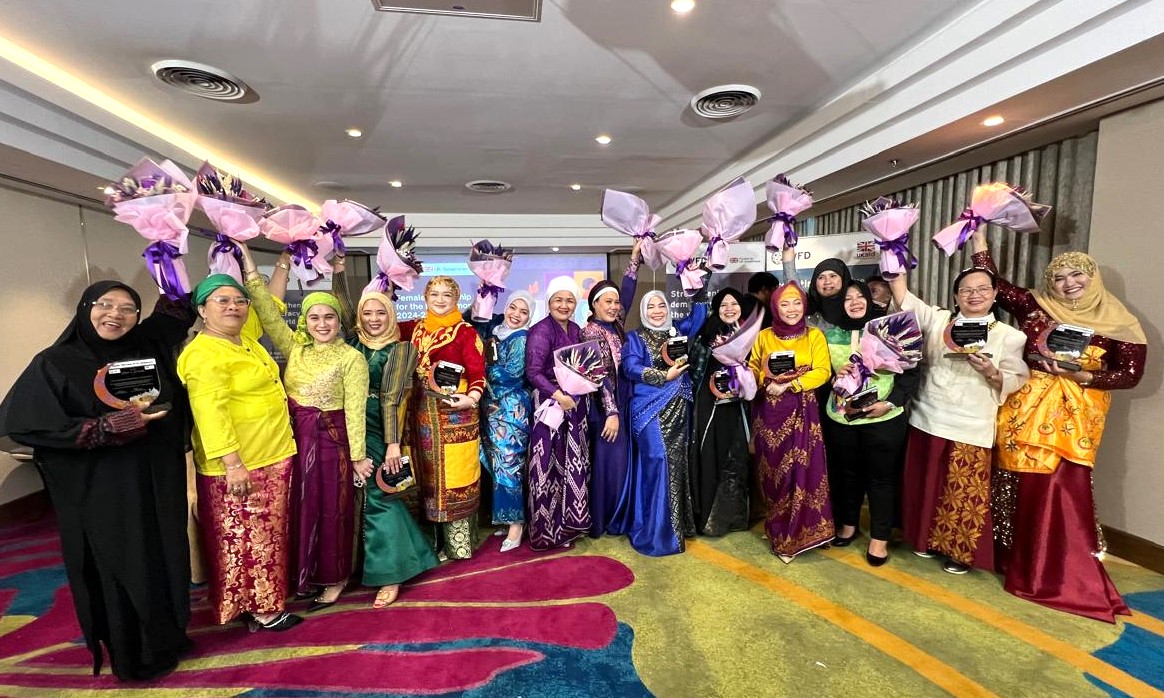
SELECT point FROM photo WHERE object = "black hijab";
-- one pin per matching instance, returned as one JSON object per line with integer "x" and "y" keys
{"x": 850, "y": 323}
{"x": 832, "y": 309}
{"x": 713, "y": 326}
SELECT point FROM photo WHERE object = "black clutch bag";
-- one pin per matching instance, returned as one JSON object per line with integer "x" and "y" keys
{"x": 395, "y": 484}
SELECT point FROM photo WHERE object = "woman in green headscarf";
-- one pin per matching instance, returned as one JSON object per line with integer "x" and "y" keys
{"x": 327, "y": 387}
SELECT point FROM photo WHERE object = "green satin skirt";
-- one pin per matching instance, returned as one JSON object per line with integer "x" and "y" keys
{"x": 395, "y": 550}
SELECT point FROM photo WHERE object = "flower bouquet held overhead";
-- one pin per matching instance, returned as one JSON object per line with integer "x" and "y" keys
{"x": 491, "y": 264}
{"x": 298, "y": 229}
{"x": 396, "y": 258}
{"x": 344, "y": 218}
{"x": 726, "y": 217}
{"x": 157, "y": 200}
{"x": 630, "y": 215}
{"x": 579, "y": 371}
{"x": 998, "y": 203}
{"x": 786, "y": 201}
{"x": 233, "y": 212}
{"x": 889, "y": 222}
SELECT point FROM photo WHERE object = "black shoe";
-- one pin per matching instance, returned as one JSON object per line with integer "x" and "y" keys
{"x": 842, "y": 542}
{"x": 875, "y": 561}
{"x": 955, "y": 567}
{"x": 311, "y": 593}
{"x": 284, "y": 621}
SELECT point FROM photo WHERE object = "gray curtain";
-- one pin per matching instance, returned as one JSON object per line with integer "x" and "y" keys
{"x": 1061, "y": 174}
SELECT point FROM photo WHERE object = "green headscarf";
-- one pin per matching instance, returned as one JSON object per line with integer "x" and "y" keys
{"x": 315, "y": 298}
{"x": 211, "y": 284}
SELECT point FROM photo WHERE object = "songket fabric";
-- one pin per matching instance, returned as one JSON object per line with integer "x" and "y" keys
{"x": 245, "y": 543}
{"x": 507, "y": 410}
{"x": 558, "y": 472}
{"x": 789, "y": 447}
{"x": 1048, "y": 434}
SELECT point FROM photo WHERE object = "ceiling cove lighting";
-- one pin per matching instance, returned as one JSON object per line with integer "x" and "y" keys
{"x": 995, "y": 120}
{"x": 602, "y": 139}
{"x": 199, "y": 151}
{"x": 682, "y": 7}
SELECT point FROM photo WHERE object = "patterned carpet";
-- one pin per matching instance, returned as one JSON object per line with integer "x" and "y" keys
{"x": 725, "y": 619}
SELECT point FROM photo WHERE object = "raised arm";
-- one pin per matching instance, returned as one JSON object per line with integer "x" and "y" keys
{"x": 340, "y": 289}
{"x": 279, "y": 277}
{"x": 788, "y": 262}
{"x": 264, "y": 305}
{"x": 1015, "y": 300}
{"x": 630, "y": 282}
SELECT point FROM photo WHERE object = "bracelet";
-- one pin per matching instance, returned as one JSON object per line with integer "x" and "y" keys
{"x": 251, "y": 272}
{"x": 283, "y": 265}
{"x": 236, "y": 466}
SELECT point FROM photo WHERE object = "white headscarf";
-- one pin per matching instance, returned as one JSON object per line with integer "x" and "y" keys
{"x": 503, "y": 330}
{"x": 562, "y": 283}
{"x": 666, "y": 326}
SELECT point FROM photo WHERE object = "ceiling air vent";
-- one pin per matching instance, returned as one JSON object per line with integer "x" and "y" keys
{"x": 488, "y": 186}
{"x": 526, "y": 10}
{"x": 725, "y": 101}
{"x": 203, "y": 81}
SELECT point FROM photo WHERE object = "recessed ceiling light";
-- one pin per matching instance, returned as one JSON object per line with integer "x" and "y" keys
{"x": 553, "y": 249}
{"x": 602, "y": 139}
{"x": 576, "y": 187}
{"x": 354, "y": 133}
{"x": 993, "y": 120}
{"x": 396, "y": 184}
{"x": 682, "y": 6}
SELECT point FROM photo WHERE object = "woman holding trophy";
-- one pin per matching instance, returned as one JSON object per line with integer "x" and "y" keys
{"x": 1081, "y": 343}
{"x": 443, "y": 425}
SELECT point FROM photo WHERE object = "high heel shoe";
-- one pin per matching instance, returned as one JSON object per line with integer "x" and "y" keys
{"x": 507, "y": 545}
{"x": 319, "y": 603}
{"x": 845, "y": 541}
{"x": 875, "y": 561}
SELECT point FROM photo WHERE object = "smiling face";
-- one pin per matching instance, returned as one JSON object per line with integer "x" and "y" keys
{"x": 225, "y": 311}
{"x": 880, "y": 291}
{"x": 440, "y": 298}
{"x": 1069, "y": 283}
{"x": 855, "y": 303}
{"x": 729, "y": 309}
{"x": 975, "y": 294}
{"x": 516, "y": 314}
{"x": 790, "y": 309}
{"x": 657, "y": 310}
{"x": 607, "y": 307}
{"x": 113, "y": 314}
{"x": 828, "y": 284}
{"x": 562, "y": 305}
{"x": 323, "y": 323}
{"x": 374, "y": 318}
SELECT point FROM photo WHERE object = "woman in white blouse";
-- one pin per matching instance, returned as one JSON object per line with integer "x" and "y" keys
{"x": 946, "y": 493}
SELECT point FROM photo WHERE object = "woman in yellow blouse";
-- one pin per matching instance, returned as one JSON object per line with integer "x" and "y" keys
{"x": 327, "y": 383}
{"x": 242, "y": 450}
{"x": 790, "y": 452}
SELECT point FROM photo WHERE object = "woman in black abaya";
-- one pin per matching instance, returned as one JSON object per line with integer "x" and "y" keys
{"x": 117, "y": 478}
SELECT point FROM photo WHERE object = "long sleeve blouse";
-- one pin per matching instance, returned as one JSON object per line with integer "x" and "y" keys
{"x": 544, "y": 338}
{"x": 459, "y": 344}
{"x": 810, "y": 350}
{"x": 610, "y": 341}
{"x": 330, "y": 376}
{"x": 1123, "y": 361}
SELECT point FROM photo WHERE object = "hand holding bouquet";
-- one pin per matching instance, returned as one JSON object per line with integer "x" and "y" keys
{"x": 233, "y": 211}
{"x": 786, "y": 200}
{"x": 726, "y": 217}
{"x": 889, "y": 221}
{"x": 579, "y": 371}
{"x": 998, "y": 203}
{"x": 491, "y": 264}
{"x": 399, "y": 267}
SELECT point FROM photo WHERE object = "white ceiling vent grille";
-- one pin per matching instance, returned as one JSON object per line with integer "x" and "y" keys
{"x": 725, "y": 101}
{"x": 488, "y": 186}
{"x": 203, "y": 81}
{"x": 525, "y": 10}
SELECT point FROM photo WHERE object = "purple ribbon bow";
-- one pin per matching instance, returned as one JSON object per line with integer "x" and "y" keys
{"x": 302, "y": 252}
{"x": 973, "y": 220}
{"x": 645, "y": 234}
{"x": 900, "y": 248}
{"x": 489, "y": 289}
{"x": 733, "y": 380}
{"x": 224, "y": 245}
{"x": 332, "y": 228}
{"x": 162, "y": 254}
{"x": 789, "y": 220}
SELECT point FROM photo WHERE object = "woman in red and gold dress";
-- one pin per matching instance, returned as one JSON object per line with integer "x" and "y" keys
{"x": 1048, "y": 434}
{"x": 444, "y": 432}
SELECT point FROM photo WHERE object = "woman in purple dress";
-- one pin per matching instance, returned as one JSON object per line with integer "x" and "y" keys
{"x": 559, "y": 459}
{"x": 608, "y": 412}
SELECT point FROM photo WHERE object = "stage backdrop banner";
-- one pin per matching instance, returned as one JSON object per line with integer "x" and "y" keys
{"x": 856, "y": 250}
{"x": 744, "y": 259}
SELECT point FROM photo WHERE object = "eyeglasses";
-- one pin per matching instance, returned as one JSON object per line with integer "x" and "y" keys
{"x": 111, "y": 307}
{"x": 223, "y": 301}
{"x": 979, "y": 291}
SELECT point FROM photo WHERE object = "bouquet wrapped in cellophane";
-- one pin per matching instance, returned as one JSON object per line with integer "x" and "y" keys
{"x": 679, "y": 247}
{"x": 727, "y": 215}
{"x": 399, "y": 267}
{"x": 345, "y": 218}
{"x": 999, "y": 203}
{"x": 890, "y": 343}
{"x": 491, "y": 264}
{"x": 157, "y": 200}
{"x": 630, "y": 215}
{"x": 233, "y": 211}
{"x": 579, "y": 371}
{"x": 298, "y": 229}
{"x": 733, "y": 353}
{"x": 786, "y": 200}
{"x": 889, "y": 221}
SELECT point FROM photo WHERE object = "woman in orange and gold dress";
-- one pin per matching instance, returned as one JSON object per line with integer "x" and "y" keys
{"x": 1048, "y": 435}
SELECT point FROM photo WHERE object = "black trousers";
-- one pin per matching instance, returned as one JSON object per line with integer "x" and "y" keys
{"x": 866, "y": 459}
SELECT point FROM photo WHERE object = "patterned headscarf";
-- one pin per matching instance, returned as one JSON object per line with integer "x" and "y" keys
{"x": 391, "y": 331}
{"x": 313, "y": 299}
{"x": 1098, "y": 309}
{"x": 782, "y": 329}
{"x": 434, "y": 322}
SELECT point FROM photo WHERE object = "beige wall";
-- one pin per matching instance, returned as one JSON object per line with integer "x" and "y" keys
{"x": 1126, "y": 224}
{"x": 40, "y": 285}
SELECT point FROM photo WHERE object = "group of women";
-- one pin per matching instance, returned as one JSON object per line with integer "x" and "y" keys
{"x": 658, "y": 453}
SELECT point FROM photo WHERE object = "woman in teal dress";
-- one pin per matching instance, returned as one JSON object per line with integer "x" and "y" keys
{"x": 395, "y": 550}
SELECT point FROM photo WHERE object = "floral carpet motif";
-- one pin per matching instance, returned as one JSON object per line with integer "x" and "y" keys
{"x": 516, "y": 624}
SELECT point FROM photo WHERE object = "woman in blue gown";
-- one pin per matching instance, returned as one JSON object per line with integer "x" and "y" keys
{"x": 656, "y": 499}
